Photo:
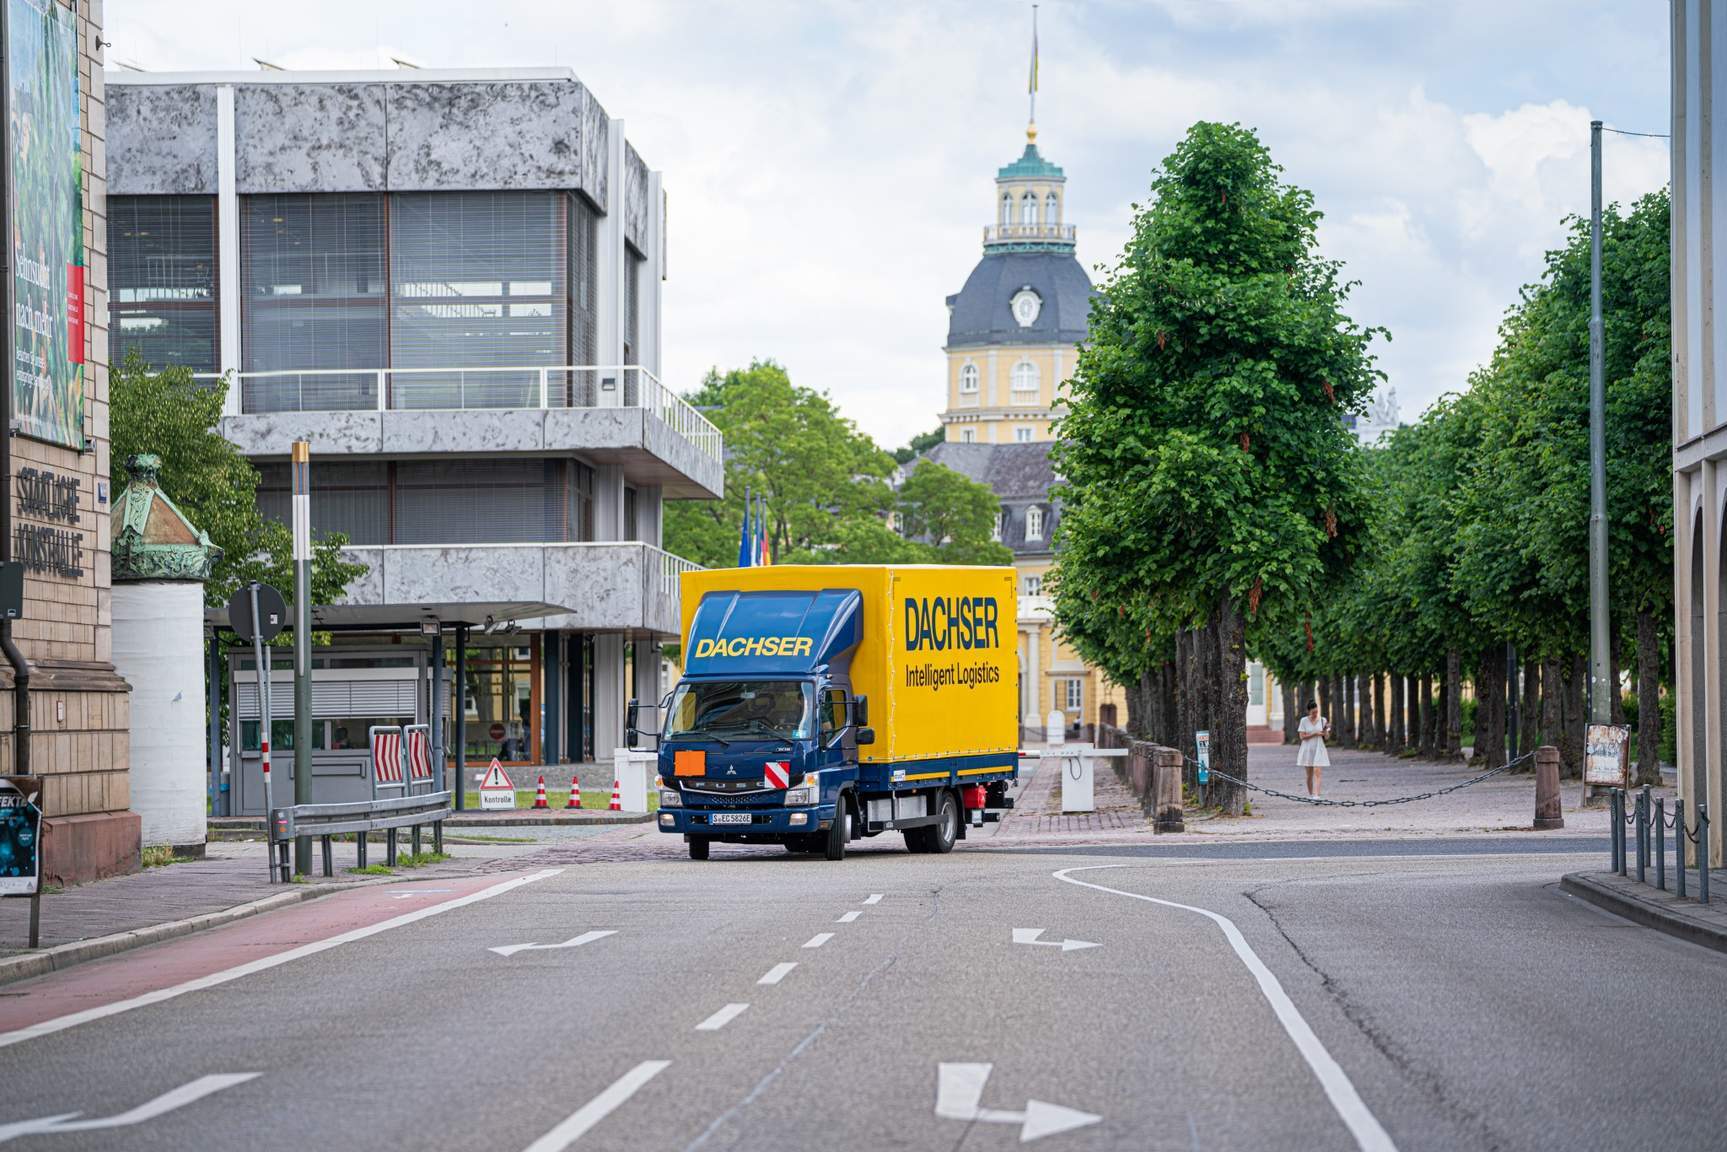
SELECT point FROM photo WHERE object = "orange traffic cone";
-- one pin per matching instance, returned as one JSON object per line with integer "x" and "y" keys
{"x": 575, "y": 793}
{"x": 617, "y": 804}
{"x": 540, "y": 794}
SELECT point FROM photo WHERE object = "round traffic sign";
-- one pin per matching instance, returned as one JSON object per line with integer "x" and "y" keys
{"x": 272, "y": 613}
{"x": 496, "y": 731}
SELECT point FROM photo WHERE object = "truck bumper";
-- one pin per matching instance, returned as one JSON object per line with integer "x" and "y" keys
{"x": 769, "y": 824}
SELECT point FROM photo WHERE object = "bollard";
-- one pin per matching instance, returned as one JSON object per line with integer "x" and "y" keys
{"x": 1613, "y": 826}
{"x": 1679, "y": 842}
{"x": 1548, "y": 814}
{"x": 1643, "y": 835}
{"x": 1166, "y": 791}
{"x": 1661, "y": 844}
{"x": 1703, "y": 853}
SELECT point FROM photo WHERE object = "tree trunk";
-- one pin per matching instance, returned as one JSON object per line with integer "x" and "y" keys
{"x": 1529, "y": 729}
{"x": 1376, "y": 698}
{"x": 1169, "y": 735}
{"x": 1351, "y": 710}
{"x": 1229, "y": 738}
{"x": 1184, "y": 710}
{"x": 1291, "y": 718}
{"x": 1648, "y": 699}
{"x": 1576, "y": 716}
{"x": 1454, "y": 705}
{"x": 1424, "y": 714}
{"x": 1325, "y": 699}
{"x": 1615, "y": 698}
{"x": 1489, "y": 749}
{"x": 1395, "y": 739}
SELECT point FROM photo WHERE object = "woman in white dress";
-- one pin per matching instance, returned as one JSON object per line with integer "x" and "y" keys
{"x": 1312, "y": 732}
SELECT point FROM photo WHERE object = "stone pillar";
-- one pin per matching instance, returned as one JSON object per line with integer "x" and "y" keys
{"x": 1166, "y": 791}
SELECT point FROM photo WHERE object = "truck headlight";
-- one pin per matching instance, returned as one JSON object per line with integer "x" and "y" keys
{"x": 808, "y": 792}
{"x": 671, "y": 798}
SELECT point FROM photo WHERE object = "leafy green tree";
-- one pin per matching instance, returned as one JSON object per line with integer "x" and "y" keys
{"x": 828, "y": 486}
{"x": 1208, "y": 467}
{"x": 176, "y": 418}
{"x": 953, "y": 514}
{"x": 920, "y": 444}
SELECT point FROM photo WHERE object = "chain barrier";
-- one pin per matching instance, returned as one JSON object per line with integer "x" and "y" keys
{"x": 1322, "y": 802}
{"x": 1649, "y": 816}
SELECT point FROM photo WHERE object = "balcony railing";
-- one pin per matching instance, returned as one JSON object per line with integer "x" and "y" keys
{"x": 1012, "y": 233}
{"x": 477, "y": 388}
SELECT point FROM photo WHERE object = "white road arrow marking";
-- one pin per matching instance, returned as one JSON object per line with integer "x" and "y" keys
{"x": 1030, "y": 936}
{"x": 874, "y": 898}
{"x": 959, "y": 1089}
{"x": 149, "y": 1110}
{"x": 577, "y": 942}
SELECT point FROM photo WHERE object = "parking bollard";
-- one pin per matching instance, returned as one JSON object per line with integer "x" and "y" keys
{"x": 1548, "y": 813}
{"x": 1167, "y": 815}
{"x": 1703, "y": 853}
{"x": 1679, "y": 841}
{"x": 1660, "y": 826}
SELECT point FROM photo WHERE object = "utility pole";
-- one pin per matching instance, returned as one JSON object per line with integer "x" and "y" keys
{"x": 1600, "y": 698}
{"x": 300, "y": 465}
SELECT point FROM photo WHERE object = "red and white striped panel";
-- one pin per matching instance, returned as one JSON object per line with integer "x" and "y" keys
{"x": 419, "y": 752}
{"x": 777, "y": 774}
{"x": 387, "y": 755}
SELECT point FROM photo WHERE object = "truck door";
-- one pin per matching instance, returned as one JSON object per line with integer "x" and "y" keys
{"x": 838, "y": 742}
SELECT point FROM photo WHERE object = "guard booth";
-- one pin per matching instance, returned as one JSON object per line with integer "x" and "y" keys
{"x": 353, "y": 691}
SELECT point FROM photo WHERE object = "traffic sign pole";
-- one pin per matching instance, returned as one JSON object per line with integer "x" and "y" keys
{"x": 263, "y": 724}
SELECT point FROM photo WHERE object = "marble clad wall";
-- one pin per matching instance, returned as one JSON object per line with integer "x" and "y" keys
{"x": 162, "y": 140}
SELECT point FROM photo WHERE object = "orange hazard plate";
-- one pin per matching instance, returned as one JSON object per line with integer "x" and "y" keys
{"x": 690, "y": 763}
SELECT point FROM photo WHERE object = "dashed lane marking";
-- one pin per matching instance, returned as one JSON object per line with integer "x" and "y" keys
{"x": 263, "y": 964}
{"x": 576, "y": 1125}
{"x": 818, "y": 939}
{"x": 849, "y": 917}
{"x": 777, "y": 973}
{"x": 874, "y": 898}
{"x": 1369, "y": 1135}
{"x": 721, "y": 1018}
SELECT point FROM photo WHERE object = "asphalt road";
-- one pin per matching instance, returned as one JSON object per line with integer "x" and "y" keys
{"x": 1385, "y": 997}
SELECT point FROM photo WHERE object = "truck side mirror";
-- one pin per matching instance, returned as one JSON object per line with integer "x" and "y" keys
{"x": 866, "y": 736}
{"x": 860, "y": 711}
{"x": 631, "y": 714}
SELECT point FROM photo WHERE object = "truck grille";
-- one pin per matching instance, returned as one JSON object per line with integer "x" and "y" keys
{"x": 755, "y": 799}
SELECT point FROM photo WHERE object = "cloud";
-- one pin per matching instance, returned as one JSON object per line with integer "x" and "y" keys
{"x": 829, "y": 165}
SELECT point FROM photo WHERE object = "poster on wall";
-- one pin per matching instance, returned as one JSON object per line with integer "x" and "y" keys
{"x": 20, "y": 834}
{"x": 47, "y": 213}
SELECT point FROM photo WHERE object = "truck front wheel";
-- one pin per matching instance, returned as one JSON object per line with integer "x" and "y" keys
{"x": 838, "y": 833}
{"x": 699, "y": 847}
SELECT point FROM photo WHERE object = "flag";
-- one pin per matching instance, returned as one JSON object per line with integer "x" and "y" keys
{"x": 762, "y": 521}
{"x": 746, "y": 541}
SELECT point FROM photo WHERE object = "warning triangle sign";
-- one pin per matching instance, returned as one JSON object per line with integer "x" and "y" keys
{"x": 496, "y": 777}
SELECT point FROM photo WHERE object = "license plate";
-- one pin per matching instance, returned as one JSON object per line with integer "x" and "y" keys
{"x": 730, "y": 818}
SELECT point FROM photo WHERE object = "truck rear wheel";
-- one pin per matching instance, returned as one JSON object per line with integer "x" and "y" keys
{"x": 699, "y": 847}
{"x": 946, "y": 828}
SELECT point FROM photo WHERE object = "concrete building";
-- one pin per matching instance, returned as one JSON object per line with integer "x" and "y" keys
{"x": 1699, "y": 412}
{"x": 78, "y": 716}
{"x": 449, "y": 283}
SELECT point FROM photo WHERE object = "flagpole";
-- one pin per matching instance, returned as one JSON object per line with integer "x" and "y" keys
{"x": 1033, "y": 84}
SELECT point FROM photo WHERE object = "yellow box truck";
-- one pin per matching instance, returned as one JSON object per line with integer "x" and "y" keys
{"x": 820, "y": 705}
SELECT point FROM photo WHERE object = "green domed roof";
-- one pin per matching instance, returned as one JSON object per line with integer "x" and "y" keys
{"x": 1030, "y": 166}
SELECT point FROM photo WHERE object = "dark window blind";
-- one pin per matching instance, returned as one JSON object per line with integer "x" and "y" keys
{"x": 350, "y": 497}
{"x": 481, "y": 502}
{"x": 479, "y": 281}
{"x": 162, "y": 280}
{"x": 313, "y": 298}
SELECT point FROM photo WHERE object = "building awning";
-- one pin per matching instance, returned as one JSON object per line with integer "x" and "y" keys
{"x": 389, "y": 617}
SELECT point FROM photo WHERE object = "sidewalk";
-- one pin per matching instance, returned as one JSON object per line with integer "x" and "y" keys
{"x": 1645, "y": 904}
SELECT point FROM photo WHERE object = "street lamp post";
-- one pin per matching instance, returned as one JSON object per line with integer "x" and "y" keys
{"x": 1600, "y": 700}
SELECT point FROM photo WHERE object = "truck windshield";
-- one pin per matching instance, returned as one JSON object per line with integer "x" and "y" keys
{"x": 741, "y": 709}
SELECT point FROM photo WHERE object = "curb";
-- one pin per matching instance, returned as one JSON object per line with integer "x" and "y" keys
{"x": 222, "y": 827}
{"x": 1659, "y": 910}
{"x": 63, "y": 956}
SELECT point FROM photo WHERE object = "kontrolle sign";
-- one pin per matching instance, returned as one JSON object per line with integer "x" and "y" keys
{"x": 46, "y": 213}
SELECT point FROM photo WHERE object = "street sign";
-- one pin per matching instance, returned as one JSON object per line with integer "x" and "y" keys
{"x": 1606, "y": 756}
{"x": 497, "y": 793}
{"x": 1202, "y": 753}
{"x": 20, "y": 834}
{"x": 272, "y": 612}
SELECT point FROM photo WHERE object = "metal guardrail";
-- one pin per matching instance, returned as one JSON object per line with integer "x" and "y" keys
{"x": 474, "y": 388}
{"x": 357, "y": 818}
{"x": 1649, "y": 816}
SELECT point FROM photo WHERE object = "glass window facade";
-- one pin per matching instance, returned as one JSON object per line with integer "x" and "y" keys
{"x": 479, "y": 281}
{"x": 162, "y": 269}
{"x": 350, "y": 497}
{"x": 503, "y": 701}
{"x": 312, "y": 298}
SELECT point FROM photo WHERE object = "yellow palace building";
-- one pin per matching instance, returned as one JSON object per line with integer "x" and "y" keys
{"x": 1013, "y": 330}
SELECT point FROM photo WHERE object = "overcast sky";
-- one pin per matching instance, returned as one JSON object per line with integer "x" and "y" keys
{"x": 828, "y": 165}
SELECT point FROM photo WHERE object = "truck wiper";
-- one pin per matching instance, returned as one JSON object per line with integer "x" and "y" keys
{"x": 777, "y": 733}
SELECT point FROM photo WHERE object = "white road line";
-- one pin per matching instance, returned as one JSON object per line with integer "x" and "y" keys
{"x": 1369, "y": 1135}
{"x": 818, "y": 939}
{"x": 597, "y": 1109}
{"x": 214, "y": 979}
{"x": 721, "y": 1018}
{"x": 874, "y": 898}
{"x": 777, "y": 973}
{"x": 848, "y": 917}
